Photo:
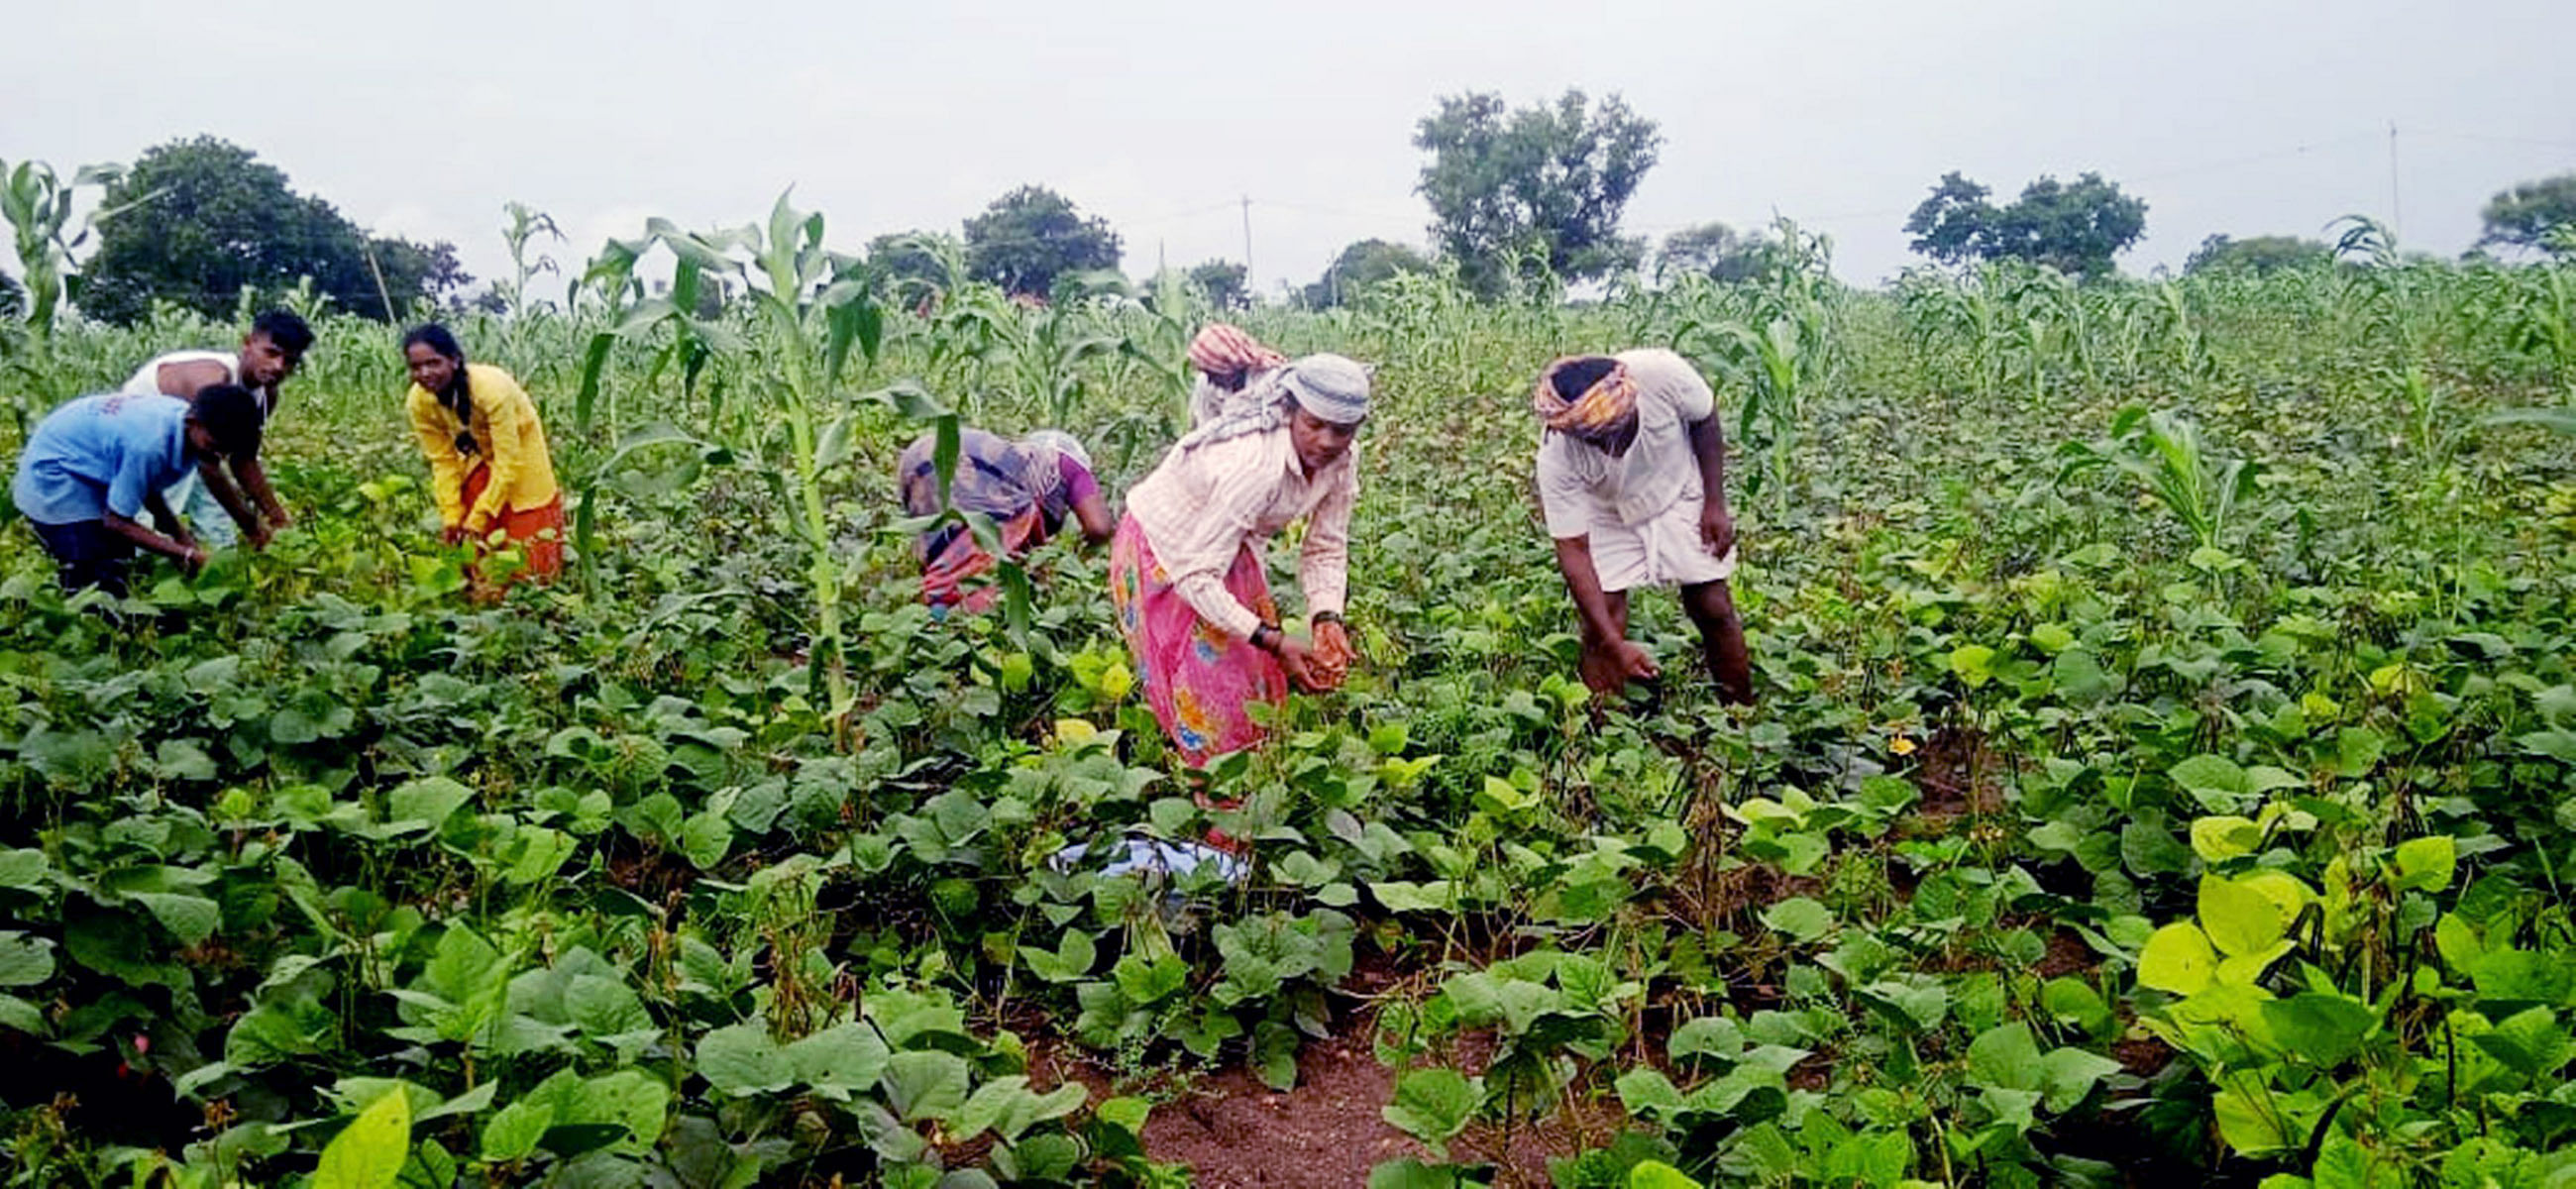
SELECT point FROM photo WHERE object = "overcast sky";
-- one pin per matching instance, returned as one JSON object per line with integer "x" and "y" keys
{"x": 2247, "y": 116}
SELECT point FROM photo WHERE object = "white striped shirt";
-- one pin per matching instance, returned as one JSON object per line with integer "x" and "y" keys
{"x": 1206, "y": 503}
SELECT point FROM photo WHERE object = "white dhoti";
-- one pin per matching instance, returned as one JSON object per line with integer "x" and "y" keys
{"x": 1663, "y": 551}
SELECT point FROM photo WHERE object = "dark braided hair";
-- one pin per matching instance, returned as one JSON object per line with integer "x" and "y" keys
{"x": 458, "y": 396}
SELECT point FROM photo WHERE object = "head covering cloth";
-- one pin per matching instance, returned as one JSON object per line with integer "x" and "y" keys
{"x": 1331, "y": 387}
{"x": 1061, "y": 442}
{"x": 1605, "y": 411}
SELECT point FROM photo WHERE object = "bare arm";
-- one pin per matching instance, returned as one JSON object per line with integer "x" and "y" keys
{"x": 220, "y": 485}
{"x": 254, "y": 483}
{"x": 1093, "y": 512}
{"x": 1708, "y": 445}
{"x": 185, "y": 380}
{"x": 180, "y": 548}
{"x": 1574, "y": 560}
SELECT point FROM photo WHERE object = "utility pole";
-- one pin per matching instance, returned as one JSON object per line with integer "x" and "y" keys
{"x": 2396, "y": 212}
{"x": 1247, "y": 243}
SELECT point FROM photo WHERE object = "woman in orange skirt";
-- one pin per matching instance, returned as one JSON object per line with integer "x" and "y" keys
{"x": 488, "y": 465}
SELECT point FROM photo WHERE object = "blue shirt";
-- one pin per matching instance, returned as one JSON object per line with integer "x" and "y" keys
{"x": 101, "y": 454}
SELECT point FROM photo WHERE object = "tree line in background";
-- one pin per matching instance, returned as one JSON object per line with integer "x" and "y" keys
{"x": 1522, "y": 199}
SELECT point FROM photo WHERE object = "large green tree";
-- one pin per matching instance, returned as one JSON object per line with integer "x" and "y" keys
{"x": 1223, "y": 282}
{"x": 1359, "y": 266}
{"x": 1548, "y": 180}
{"x": 913, "y": 266}
{"x": 1030, "y": 236}
{"x": 198, "y": 220}
{"x": 2075, "y": 229}
{"x": 2259, "y": 254}
{"x": 2525, "y": 215}
{"x": 1716, "y": 251}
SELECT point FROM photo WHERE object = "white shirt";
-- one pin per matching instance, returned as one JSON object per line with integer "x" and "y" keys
{"x": 146, "y": 380}
{"x": 1580, "y": 484}
{"x": 1206, "y": 503}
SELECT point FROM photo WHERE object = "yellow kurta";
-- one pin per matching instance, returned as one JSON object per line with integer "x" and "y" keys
{"x": 507, "y": 437}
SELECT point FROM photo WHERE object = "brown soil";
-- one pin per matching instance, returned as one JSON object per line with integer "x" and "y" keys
{"x": 2144, "y": 1056}
{"x": 2067, "y": 954}
{"x": 1958, "y": 775}
{"x": 1235, "y": 1132}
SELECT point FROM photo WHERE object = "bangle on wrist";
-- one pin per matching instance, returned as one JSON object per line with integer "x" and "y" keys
{"x": 1325, "y": 617}
{"x": 1272, "y": 645}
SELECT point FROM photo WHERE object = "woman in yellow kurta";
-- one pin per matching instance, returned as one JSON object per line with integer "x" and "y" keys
{"x": 488, "y": 465}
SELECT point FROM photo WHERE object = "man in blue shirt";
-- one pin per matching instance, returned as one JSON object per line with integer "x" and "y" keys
{"x": 93, "y": 467}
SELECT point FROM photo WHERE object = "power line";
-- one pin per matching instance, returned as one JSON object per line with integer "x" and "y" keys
{"x": 2491, "y": 138}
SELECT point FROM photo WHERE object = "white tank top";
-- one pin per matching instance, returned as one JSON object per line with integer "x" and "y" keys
{"x": 147, "y": 379}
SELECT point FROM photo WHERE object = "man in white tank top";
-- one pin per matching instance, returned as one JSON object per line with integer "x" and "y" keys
{"x": 211, "y": 501}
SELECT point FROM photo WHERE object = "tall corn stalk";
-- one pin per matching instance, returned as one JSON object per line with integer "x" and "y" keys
{"x": 810, "y": 306}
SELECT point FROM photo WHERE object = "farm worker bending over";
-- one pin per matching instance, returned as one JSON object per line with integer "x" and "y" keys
{"x": 488, "y": 466}
{"x": 1235, "y": 374}
{"x": 1030, "y": 486}
{"x": 1185, "y": 571}
{"x": 211, "y": 501}
{"x": 93, "y": 467}
{"x": 1632, "y": 478}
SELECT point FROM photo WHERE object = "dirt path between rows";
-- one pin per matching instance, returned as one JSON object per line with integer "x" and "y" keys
{"x": 1236, "y": 1133}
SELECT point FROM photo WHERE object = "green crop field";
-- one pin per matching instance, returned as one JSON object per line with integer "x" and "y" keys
{"x": 2164, "y": 768}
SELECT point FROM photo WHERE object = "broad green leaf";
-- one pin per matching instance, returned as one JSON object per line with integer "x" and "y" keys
{"x": 1646, "y": 1092}
{"x": 25, "y": 961}
{"x": 1655, "y": 1174}
{"x": 2220, "y": 838}
{"x": 839, "y": 1061}
{"x": 2239, "y": 918}
{"x": 741, "y": 1060}
{"x": 1433, "y": 1105}
{"x": 1145, "y": 983}
{"x": 1007, "y": 1107}
{"x": 1802, "y": 919}
{"x": 926, "y": 1085}
{"x": 2071, "y": 1074}
{"x": 1706, "y": 1036}
{"x": 2531, "y": 1041}
{"x": 2006, "y": 1056}
{"x": 2425, "y": 864}
{"x": 2251, "y": 1123}
{"x": 2178, "y": 959}
{"x": 2319, "y": 1028}
{"x": 24, "y": 870}
{"x": 1409, "y": 1173}
{"x": 424, "y": 804}
{"x": 192, "y": 918}
{"x": 369, "y": 1152}
{"x": 1071, "y": 961}
{"x": 513, "y": 1131}
{"x": 23, "y": 1016}
{"x": 2222, "y": 787}
{"x": 629, "y": 1098}
{"x": 1973, "y": 664}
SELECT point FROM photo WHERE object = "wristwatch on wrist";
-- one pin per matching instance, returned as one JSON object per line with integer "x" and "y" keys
{"x": 1272, "y": 645}
{"x": 1325, "y": 617}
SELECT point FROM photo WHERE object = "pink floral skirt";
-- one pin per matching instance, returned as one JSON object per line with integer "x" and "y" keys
{"x": 1197, "y": 679}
